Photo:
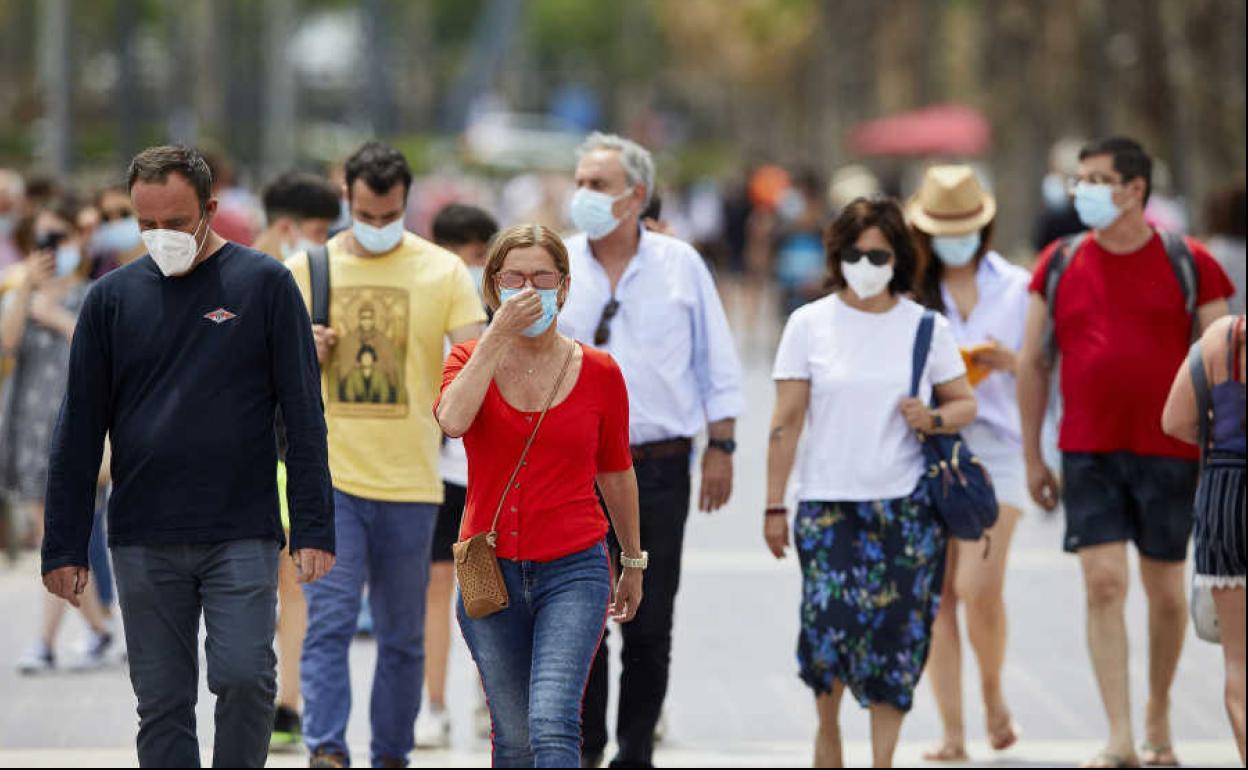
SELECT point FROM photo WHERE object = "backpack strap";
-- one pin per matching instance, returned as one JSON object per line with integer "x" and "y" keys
{"x": 318, "y": 278}
{"x": 1063, "y": 255}
{"x": 1184, "y": 266}
{"x": 1204, "y": 401}
{"x": 922, "y": 345}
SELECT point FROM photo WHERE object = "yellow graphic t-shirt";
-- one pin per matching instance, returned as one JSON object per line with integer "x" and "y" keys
{"x": 391, "y": 314}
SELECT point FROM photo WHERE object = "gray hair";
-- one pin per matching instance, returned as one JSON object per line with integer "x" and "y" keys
{"x": 637, "y": 162}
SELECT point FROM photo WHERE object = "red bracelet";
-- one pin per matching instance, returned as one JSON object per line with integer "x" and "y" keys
{"x": 776, "y": 510}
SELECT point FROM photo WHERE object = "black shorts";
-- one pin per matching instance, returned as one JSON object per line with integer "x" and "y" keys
{"x": 446, "y": 530}
{"x": 1112, "y": 497}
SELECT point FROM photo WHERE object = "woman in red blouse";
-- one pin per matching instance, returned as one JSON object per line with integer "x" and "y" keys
{"x": 534, "y": 656}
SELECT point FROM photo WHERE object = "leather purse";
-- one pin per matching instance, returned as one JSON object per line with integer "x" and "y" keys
{"x": 481, "y": 584}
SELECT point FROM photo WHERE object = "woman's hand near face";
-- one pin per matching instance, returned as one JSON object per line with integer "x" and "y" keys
{"x": 517, "y": 314}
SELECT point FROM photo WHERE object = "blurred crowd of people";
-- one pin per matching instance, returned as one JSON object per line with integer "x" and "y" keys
{"x": 848, "y": 270}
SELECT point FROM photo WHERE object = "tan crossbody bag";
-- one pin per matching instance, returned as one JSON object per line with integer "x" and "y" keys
{"x": 480, "y": 580}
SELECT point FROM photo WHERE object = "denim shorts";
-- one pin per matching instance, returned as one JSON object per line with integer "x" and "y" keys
{"x": 1113, "y": 497}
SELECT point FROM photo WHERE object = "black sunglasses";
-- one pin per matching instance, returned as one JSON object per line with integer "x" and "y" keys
{"x": 603, "y": 332}
{"x": 877, "y": 257}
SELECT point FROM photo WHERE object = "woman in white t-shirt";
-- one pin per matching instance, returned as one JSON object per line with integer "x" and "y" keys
{"x": 871, "y": 547}
{"x": 985, "y": 299}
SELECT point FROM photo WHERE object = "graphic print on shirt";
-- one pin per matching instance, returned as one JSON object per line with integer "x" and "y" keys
{"x": 367, "y": 366}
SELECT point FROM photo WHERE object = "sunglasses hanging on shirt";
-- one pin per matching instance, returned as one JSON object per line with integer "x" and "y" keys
{"x": 603, "y": 332}
{"x": 877, "y": 257}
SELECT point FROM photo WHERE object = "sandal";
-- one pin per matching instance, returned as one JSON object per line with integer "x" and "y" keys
{"x": 946, "y": 752}
{"x": 1106, "y": 759}
{"x": 1158, "y": 755}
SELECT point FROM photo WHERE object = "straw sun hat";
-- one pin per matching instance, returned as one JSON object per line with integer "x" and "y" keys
{"x": 950, "y": 202}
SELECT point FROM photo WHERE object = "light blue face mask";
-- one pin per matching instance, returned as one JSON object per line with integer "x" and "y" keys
{"x": 302, "y": 245}
{"x": 1095, "y": 205}
{"x": 550, "y": 309}
{"x": 956, "y": 250}
{"x": 591, "y": 212}
{"x": 118, "y": 236}
{"x": 67, "y": 259}
{"x": 378, "y": 240}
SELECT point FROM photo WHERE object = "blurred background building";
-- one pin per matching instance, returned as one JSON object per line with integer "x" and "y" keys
{"x": 717, "y": 87}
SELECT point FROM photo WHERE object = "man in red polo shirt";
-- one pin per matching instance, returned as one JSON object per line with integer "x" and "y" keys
{"x": 1122, "y": 329}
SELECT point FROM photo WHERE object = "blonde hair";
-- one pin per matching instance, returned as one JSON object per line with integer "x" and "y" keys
{"x": 520, "y": 237}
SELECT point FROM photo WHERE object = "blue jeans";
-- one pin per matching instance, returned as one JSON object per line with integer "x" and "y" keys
{"x": 97, "y": 558}
{"x": 386, "y": 545}
{"x": 534, "y": 656}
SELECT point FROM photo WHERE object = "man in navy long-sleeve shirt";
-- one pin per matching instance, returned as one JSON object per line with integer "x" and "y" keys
{"x": 182, "y": 359}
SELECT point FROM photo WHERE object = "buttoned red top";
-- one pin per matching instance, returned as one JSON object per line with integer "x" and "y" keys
{"x": 551, "y": 510}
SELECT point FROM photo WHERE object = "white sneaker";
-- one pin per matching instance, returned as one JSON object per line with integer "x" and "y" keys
{"x": 433, "y": 729}
{"x": 660, "y": 728}
{"x": 37, "y": 660}
{"x": 98, "y": 651}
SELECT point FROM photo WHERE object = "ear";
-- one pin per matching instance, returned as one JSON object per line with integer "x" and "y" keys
{"x": 210, "y": 210}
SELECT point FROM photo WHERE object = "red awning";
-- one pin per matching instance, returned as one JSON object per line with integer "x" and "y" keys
{"x": 943, "y": 129}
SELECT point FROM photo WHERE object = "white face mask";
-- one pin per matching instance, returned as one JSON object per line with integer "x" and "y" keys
{"x": 866, "y": 279}
{"x": 173, "y": 250}
{"x": 377, "y": 240}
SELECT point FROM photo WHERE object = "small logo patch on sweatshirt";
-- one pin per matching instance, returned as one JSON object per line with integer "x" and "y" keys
{"x": 220, "y": 315}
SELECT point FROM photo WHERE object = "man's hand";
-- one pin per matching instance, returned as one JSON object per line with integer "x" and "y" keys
{"x": 313, "y": 564}
{"x": 67, "y": 583}
{"x": 325, "y": 338}
{"x": 1043, "y": 485}
{"x": 716, "y": 480}
{"x": 627, "y": 596}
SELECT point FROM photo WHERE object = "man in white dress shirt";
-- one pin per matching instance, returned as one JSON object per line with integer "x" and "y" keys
{"x": 649, "y": 300}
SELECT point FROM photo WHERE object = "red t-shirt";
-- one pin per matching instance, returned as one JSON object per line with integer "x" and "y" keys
{"x": 552, "y": 510}
{"x": 1123, "y": 332}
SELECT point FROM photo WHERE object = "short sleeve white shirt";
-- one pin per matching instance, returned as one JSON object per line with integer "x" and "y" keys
{"x": 858, "y": 446}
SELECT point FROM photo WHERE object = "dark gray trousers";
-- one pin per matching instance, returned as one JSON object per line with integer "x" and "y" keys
{"x": 162, "y": 591}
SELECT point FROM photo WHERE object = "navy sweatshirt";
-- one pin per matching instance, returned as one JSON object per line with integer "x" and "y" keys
{"x": 185, "y": 376}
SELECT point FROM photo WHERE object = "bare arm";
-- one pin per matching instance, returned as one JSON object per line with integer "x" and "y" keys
{"x": 1034, "y": 371}
{"x": 13, "y": 320}
{"x": 465, "y": 333}
{"x": 787, "y": 417}
{"x": 619, "y": 492}
{"x": 1181, "y": 416}
{"x": 1033, "y": 379}
{"x": 956, "y": 404}
{"x": 1210, "y": 312}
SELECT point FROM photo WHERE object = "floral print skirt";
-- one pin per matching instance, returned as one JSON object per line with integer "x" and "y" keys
{"x": 871, "y": 579}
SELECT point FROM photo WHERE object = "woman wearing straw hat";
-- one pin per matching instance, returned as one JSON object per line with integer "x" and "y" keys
{"x": 985, "y": 299}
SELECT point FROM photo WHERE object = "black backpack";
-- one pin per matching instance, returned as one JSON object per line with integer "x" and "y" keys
{"x": 318, "y": 279}
{"x": 1181, "y": 261}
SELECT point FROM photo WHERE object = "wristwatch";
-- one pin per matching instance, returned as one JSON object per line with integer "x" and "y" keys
{"x": 938, "y": 422}
{"x": 726, "y": 445}
{"x": 640, "y": 564}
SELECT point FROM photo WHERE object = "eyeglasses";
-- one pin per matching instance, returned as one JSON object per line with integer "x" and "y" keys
{"x": 877, "y": 257}
{"x": 514, "y": 279}
{"x": 603, "y": 332}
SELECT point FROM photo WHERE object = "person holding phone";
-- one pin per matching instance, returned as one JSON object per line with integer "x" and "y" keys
{"x": 36, "y": 325}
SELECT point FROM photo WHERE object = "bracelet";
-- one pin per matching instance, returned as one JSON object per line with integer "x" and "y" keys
{"x": 776, "y": 510}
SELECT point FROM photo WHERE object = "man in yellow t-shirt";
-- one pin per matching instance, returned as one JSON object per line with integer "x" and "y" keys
{"x": 394, "y": 299}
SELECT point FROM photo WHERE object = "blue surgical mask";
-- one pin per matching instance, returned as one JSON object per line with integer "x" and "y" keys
{"x": 118, "y": 236}
{"x": 1095, "y": 205}
{"x": 378, "y": 240}
{"x": 591, "y": 212}
{"x": 68, "y": 257}
{"x": 550, "y": 309}
{"x": 1054, "y": 190}
{"x": 956, "y": 250}
{"x": 478, "y": 275}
